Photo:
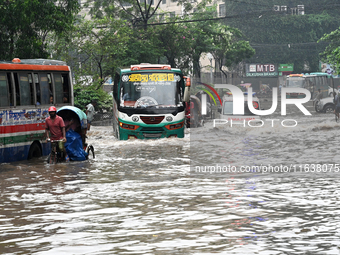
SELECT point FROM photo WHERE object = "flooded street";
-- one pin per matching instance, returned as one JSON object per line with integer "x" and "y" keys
{"x": 144, "y": 197}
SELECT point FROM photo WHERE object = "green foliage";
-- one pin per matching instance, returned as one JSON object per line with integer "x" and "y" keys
{"x": 142, "y": 47}
{"x": 331, "y": 54}
{"x": 98, "y": 45}
{"x": 228, "y": 49}
{"x": 83, "y": 95}
{"x": 26, "y": 24}
{"x": 281, "y": 37}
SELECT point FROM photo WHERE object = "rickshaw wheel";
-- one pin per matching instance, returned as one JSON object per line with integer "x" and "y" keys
{"x": 90, "y": 150}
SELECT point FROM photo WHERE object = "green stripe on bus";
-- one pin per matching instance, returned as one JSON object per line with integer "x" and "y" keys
{"x": 22, "y": 138}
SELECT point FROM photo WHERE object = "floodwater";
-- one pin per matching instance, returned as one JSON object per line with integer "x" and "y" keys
{"x": 144, "y": 197}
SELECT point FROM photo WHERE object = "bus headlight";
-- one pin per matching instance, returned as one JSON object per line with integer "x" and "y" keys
{"x": 175, "y": 126}
{"x": 128, "y": 126}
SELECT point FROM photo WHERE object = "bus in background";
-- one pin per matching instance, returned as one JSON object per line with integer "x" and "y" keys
{"x": 323, "y": 81}
{"x": 295, "y": 81}
{"x": 28, "y": 87}
{"x": 148, "y": 102}
{"x": 313, "y": 82}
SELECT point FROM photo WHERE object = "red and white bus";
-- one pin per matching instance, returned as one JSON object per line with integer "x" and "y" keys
{"x": 28, "y": 87}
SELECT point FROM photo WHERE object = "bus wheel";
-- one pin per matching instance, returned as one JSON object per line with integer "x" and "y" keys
{"x": 34, "y": 151}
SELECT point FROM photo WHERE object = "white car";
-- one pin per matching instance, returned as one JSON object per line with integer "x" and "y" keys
{"x": 227, "y": 109}
{"x": 325, "y": 105}
{"x": 330, "y": 91}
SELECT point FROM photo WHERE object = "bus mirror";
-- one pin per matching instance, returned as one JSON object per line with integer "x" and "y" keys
{"x": 188, "y": 82}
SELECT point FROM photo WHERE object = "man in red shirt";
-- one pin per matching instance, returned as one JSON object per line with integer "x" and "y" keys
{"x": 56, "y": 126}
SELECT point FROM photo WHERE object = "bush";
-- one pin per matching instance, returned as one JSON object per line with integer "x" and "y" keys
{"x": 83, "y": 95}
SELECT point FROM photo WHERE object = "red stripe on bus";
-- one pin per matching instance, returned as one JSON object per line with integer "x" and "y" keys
{"x": 33, "y": 67}
{"x": 22, "y": 128}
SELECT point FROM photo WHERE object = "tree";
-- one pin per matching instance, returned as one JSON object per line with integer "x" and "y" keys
{"x": 178, "y": 41}
{"x": 332, "y": 52}
{"x": 201, "y": 33}
{"x": 175, "y": 41}
{"x": 279, "y": 36}
{"x": 228, "y": 48}
{"x": 135, "y": 11}
{"x": 26, "y": 24}
{"x": 95, "y": 47}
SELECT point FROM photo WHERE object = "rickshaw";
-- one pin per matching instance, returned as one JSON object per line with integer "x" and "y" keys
{"x": 75, "y": 126}
{"x": 193, "y": 113}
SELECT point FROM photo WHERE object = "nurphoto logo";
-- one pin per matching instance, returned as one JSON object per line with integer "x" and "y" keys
{"x": 239, "y": 99}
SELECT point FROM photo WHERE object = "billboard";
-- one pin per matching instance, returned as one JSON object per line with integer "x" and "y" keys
{"x": 261, "y": 70}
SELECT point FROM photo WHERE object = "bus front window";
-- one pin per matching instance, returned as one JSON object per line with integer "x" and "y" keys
{"x": 295, "y": 82}
{"x": 149, "y": 89}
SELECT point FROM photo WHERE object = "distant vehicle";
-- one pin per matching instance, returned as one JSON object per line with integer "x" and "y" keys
{"x": 227, "y": 109}
{"x": 326, "y": 105}
{"x": 312, "y": 82}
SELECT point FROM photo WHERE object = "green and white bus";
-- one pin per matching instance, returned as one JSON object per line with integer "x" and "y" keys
{"x": 28, "y": 87}
{"x": 149, "y": 102}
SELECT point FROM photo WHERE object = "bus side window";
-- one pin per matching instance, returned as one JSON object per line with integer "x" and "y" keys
{"x": 25, "y": 90}
{"x": 37, "y": 88}
{"x": 44, "y": 89}
{"x": 66, "y": 88}
{"x": 58, "y": 86}
{"x": 4, "y": 95}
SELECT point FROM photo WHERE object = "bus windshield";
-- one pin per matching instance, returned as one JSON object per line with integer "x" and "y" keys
{"x": 141, "y": 90}
{"x": 295, "y": 82}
